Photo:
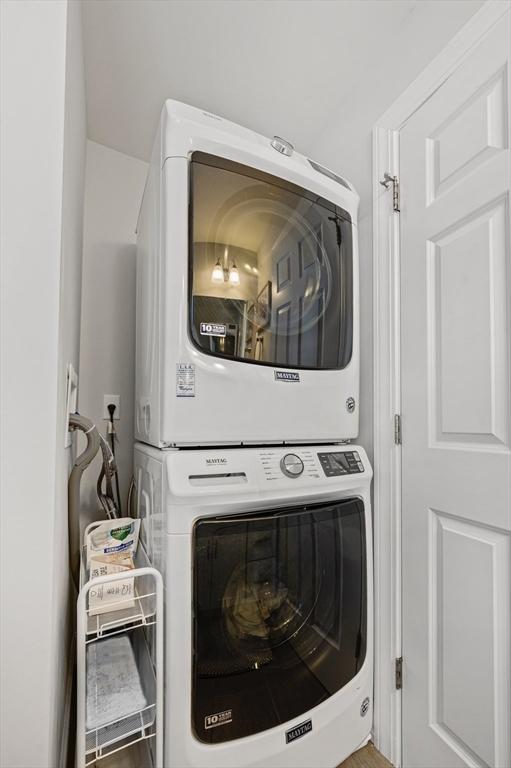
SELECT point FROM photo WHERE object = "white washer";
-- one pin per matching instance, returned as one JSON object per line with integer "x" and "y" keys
{"x": 247, "y": 291}
{"x": 267, "y": 561}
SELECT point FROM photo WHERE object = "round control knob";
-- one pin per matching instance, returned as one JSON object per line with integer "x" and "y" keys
{"x": 282, "y": 146}
{"x": 291, "y": 465}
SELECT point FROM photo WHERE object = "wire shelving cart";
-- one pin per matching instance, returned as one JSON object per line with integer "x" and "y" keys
{"x": 120, "y": 662}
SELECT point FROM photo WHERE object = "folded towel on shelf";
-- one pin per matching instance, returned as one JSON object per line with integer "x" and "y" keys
{"x": 114, "y": 689}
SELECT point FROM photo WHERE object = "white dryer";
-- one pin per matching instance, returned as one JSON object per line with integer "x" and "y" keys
{"x": 247, "y": 291}
{"x": 267, "y": 560}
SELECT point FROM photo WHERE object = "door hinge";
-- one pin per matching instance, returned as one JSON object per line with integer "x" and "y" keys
{"x": 397, "y": 429}
{"x": 396, "y": 197}
{"x": 399, "y": 673}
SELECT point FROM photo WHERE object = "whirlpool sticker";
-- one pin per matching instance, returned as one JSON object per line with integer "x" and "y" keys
{"x": 185, "y": 380}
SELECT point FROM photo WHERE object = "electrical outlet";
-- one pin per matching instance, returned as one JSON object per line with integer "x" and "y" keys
{"x": 116, "y": 400}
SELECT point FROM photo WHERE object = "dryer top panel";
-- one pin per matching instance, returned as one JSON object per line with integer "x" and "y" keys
{"x": 186, "y": 129}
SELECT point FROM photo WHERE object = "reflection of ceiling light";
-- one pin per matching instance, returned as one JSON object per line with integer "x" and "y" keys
{"x": 222, "y": 274}
{"x": 234, "y": 275}
{"x": 217, "y": 275}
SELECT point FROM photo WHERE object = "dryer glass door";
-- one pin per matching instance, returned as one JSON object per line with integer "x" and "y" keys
{"x": 271, "y": 269}
{"x": 280, "y": 615}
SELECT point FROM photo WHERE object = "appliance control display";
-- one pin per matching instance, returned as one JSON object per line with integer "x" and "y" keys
{"x": 291, "y": 465}
{"x": 345, "y": 463}
{"x": 277, "y": 467}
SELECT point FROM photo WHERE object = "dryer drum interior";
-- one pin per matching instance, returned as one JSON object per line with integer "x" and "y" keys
{"x": 280, "y": 614}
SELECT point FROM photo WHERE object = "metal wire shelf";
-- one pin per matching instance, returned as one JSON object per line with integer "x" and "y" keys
{"x": 118, "y": 620}
{"x": 99, "y": 740}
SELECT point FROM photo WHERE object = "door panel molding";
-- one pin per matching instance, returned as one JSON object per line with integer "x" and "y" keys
{"x": 386, "y": 313}
{"x": 488, "y": 106}
{"x": 482, "y": 554}
{"x": 475, "y": 250}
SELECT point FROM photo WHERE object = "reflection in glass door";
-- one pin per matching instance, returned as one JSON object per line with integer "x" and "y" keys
{"x": 280, "y": 618}
{"x": 274, "y": 256}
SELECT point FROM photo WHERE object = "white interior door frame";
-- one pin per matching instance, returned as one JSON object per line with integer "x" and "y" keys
{"x": 387, "y": 385}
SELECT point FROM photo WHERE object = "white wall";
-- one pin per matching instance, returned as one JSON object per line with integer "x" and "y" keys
{"x": 345, "y": 144}
{"x": 113, "y": 191}
{"x": 42, "y": 160}
{"x": 75, "y": 137}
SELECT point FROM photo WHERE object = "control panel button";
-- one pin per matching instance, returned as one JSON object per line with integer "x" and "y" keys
{"x": 291, "y": 465}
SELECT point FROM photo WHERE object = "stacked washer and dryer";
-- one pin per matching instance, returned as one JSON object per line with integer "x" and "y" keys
{"x": 254, "y": 503}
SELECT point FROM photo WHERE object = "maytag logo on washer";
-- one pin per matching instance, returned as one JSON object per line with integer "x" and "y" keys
{"x": 298, "y": 731}
{"x": 216, "y": 461}
{"x": 219, "y": 718}
{"x": 286, "y": 376}
{"x": 213, "y": 329}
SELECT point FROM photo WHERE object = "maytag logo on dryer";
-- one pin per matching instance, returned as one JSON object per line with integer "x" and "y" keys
{"x": 219, "y": 718}
{"x": 212, "y": 462}
{"x": 286, "y": 376}
{"x": 213, "y": 329}
{"x": 298, "y": 731}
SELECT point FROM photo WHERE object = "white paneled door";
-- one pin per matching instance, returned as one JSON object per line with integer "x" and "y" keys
{"x": 456, "y": 406}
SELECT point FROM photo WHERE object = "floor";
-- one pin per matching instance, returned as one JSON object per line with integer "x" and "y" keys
{"x": 133, "y": 757}
{"x": 368, "y": 757}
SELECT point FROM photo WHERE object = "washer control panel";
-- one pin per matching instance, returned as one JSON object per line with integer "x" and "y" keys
{"x": 278, "y": 465}
{"x": 342, "y": 463}
{"x": 291, "y": 465}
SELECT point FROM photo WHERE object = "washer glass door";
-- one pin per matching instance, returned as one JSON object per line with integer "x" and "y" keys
{"x": 280, "y": 615}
